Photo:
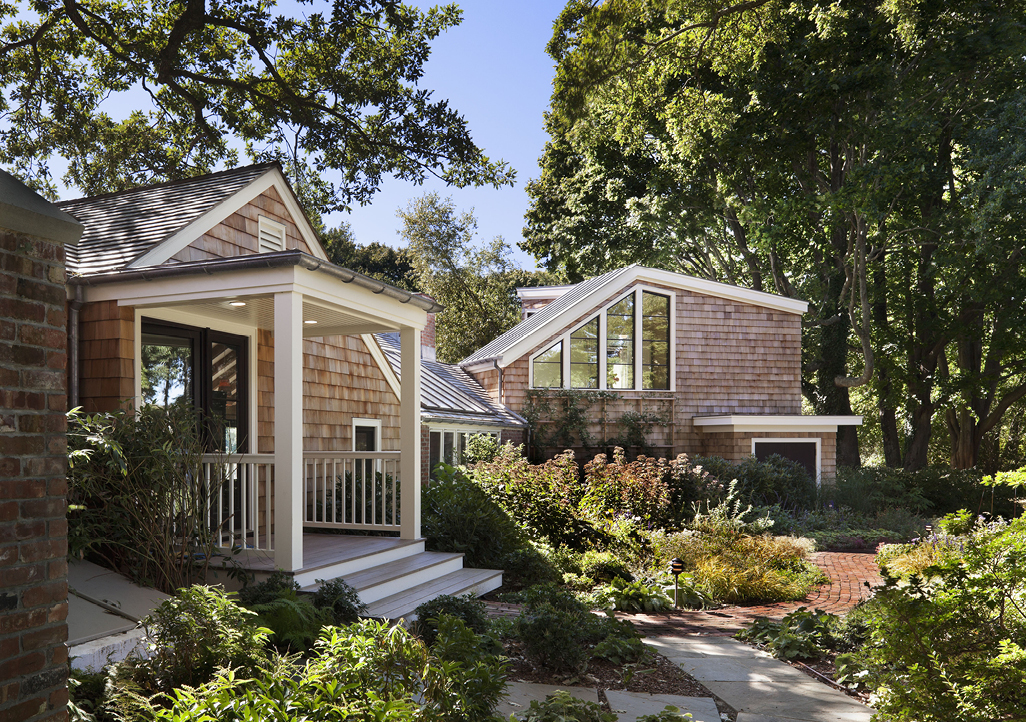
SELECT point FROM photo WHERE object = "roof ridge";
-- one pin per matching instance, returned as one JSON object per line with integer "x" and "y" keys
{"x": 179, "y": 181}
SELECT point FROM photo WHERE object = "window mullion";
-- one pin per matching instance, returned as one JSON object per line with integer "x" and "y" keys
{"x": 565, "y": 360}
{"x": 638, "y": 341}
{"x": 602, "y": 345}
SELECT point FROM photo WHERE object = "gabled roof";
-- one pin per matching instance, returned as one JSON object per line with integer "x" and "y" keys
{"x": 24, "y": 211}
{"x": 543, "y": 317}
{"x": 145, "y": 226}
{"x": 584, "y": 296}
{"x": 449, "y": 393}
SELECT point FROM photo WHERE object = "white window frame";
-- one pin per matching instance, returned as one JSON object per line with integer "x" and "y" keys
{"x": 636, "y": 291}
{"x": 455, "y": 431}
{"x": 792, "y": 440}
{"x": 272, "y": 228}
{"x": 376, "y": 423}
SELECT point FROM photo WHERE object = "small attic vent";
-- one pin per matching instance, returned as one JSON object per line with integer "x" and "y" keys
{"x": 272, "y": 235}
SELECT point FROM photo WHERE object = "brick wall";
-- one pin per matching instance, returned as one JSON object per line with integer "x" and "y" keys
{"x": 33, "y": 521}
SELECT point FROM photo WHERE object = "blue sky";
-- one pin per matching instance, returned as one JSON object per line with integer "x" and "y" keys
{"x": 494, "y": 70}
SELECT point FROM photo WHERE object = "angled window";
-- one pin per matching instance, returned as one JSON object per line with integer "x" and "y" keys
{"x": 272, "y": 235}
{"x": 548, "y": 368}
{"x": 620, "y": 345}
{"x": 584, "y": 356}
{"x": 655, "y": 341}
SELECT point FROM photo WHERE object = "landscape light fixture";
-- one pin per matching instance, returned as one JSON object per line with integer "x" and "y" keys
{"x": 676, "y": 568}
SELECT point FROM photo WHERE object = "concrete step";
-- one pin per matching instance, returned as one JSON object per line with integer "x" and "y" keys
{"x": 462, "y": 581}
{"x": 399, "y": 575}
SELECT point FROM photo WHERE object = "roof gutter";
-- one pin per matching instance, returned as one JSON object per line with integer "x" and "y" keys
{"x": 282, "y": 259}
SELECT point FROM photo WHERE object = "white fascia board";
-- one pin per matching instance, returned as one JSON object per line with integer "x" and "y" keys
{"x": 640, "y": 274}
{"x": 762, "y": 424}
{"x": 360, "y": 299}
{"x": 533, "y": 293}
{"x": 382, "y": 362}
{"x": 163, "y": 251}
{"x": 722, "y": 290}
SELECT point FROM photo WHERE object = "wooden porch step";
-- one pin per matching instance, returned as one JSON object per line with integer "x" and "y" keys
{"x": 464, "y": 581}
{"x": 393, "y": 577}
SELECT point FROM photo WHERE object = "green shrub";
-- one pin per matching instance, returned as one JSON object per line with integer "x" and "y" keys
{"x": 460, "y": 517}
{"x": 801, "y": 634}
{"x": 603, "y": 566}
{"x": 293, "y": 619}
{"x": 367, "y": 671}
{"x": 340, "y": 600}
{"x": 957, "y": 523}
{"x": 133, "y": 501}
{"x": 561, "y": 706}
{"x": 468, "y": 609}
{"x": 840, "y": 528}
{"x": 916, "y": 559}
{"x": 951, "y": 648}
{"x": 543, "y": 499}
{"x": 776, "y": 480}
{"x": 190, "y": 637}
{"x": 484, "y": 447}
{"x": 634, "y": 596}
{"x": 737, "y": 568}
{"x": 638, "y": 489}
{"x": 937, "y": 489}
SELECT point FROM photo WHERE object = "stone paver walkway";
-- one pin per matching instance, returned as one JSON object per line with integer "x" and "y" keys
{"x": 627, "y": 706}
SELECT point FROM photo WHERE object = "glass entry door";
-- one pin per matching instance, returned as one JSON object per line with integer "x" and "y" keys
{"x": 202, "y": 368}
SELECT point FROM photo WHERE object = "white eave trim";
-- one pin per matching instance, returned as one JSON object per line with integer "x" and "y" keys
{"x": 167, "y": 248}
{"x": 382, "y": 362}
{"x": 535, "y": 293}
{"x": 635, "y": 274}
{"x": 760, "y": 424}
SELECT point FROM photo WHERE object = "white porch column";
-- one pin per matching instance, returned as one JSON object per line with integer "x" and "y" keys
{"x": 288, "y": 430}
{"x": 409, "y": 432}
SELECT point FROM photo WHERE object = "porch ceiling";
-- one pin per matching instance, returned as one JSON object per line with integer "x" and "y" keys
{"x": 259, "y": 312}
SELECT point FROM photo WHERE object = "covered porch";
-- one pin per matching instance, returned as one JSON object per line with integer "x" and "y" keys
{"x": 280, "y": 480}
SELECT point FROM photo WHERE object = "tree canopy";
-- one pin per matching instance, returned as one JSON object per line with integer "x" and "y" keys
{"x": 863, "y": 156}
{"x": 331, "y": 94}
{"x": 476, "y": 283}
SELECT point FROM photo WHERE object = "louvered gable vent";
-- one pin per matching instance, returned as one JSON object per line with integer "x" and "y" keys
{"x": 272, "y": 235}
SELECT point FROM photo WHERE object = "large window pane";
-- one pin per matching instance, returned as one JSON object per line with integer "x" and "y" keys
{"x": 224, "y": 396}
{"x": 168, "y": 369}
{"x": 584, "y": 356}
{"x": 655, "y": 341}
{"x": 620, "y": 344}
{"x": 548, "y": 368}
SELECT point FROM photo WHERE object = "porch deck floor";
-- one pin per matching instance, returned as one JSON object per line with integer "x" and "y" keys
{"x": 321, "y": 550}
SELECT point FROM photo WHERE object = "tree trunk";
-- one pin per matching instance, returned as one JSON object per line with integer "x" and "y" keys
{"x": 964, "y": 442}
{"x": 832, "y": 399}
{"x": 891, "y": 441}
{"x": 917, "y": 453}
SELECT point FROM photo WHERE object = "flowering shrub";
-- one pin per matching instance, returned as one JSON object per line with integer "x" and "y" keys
{"x": 638, "y": 488}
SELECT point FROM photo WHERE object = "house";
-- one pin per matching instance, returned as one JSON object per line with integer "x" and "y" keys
{"x": 712, "y": 369}
{"x": 216, "y": 291}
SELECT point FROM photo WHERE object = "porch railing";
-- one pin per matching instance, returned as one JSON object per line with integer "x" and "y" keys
{"x": 241, "y": 499}
{"x": 357, "y": 490}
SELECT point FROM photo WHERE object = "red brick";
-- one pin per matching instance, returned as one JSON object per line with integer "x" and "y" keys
{"x": 59, "y": 699}
{"x": 59, "y": 655}
{"x": 57, "y": 528}
{"x": 17, "y": 400}
{"x": 57, "y": 445}
{"x": 8, "y": 555}
{"x": 45, "y": 466}
{"x": 30, "y": 529}
{"x": 22, "y": 489}
{"x": 18, "y": 309}
{"x": 43, "y": 508}
{"x": 15, "y": 622}
{"x": 25, "y": 664}
{"x": 9, "y": 692}
{"x": 44, "y": 594}
{"x": 55, "y": 338}
{"x": 9, "y": 647}
{"x": 28, "y": 356}
{"x": 8, "y": 330}
{"x": 9, "y": 377}
{"x": 42, "y": 424}
{"x": 57, "y": 613}
{"x": 48, "y": 380}
{"x": 21, "y": 445}
{"x": 8, "y": 511}
{"x": 9, "y": 469}
{"x": 58, "y": 487}
{"x": 21, "y": 575}
{"x": 44, "y": 637}
{"x": 35, "y": 290}
{"x": 57, "y": 317}
{"x": 56, "y": 360}
{"x": 25, "y": 710}
{"x": 57, "y": 402}
{"x": 8, "y": 533}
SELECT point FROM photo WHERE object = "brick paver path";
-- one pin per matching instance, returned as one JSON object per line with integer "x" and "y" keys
{"x": 847, "y": 572}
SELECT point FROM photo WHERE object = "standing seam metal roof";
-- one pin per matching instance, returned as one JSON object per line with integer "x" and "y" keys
{"x": 120, "y": 227}
{"x": 448, "y": 392}
{"x": 525, "y": 328}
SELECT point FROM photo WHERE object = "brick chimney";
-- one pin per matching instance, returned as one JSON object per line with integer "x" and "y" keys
{"x": 427, "y": 339}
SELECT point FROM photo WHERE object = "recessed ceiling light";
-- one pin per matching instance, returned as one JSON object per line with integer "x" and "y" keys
{"x": 309, "y": 322}
{"x": 237, "y": 304}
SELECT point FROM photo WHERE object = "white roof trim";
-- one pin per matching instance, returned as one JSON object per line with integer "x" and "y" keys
{"x": 382, "y": 362}
{"x": 756, "y": 424}
{"x": 541, "y": 292}
{"x": 167, "y": 248}
{"x": 637, "y": 274}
